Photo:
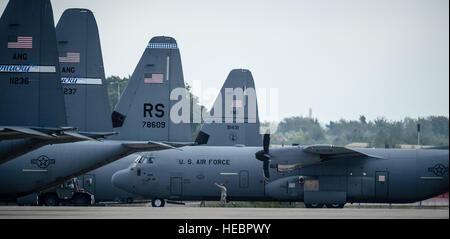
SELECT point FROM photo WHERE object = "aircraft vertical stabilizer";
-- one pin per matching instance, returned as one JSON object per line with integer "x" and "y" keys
{"x": 240, "y": 128}
{"x": 82, "y": 72}
{"x": 30, "y": 87}
{"x": 143, "y": 112}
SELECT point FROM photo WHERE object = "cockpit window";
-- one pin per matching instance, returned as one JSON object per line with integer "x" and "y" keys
{"x": 139, "y": 159}
{"x": 144, "y": 159}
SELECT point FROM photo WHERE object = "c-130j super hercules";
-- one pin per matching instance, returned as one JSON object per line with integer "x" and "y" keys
{"x": 317, "y": 175}
{"x": 32, "y": 88}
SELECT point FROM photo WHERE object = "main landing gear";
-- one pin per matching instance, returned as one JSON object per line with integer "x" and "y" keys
{"x": 158, "y": 202}
{"x": 319, "y": 205}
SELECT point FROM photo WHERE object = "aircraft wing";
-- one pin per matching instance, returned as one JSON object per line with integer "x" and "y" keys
{"x": 319, "y": 154}
{"x": 155, "y": 145}
{"x": 328, "y": 152}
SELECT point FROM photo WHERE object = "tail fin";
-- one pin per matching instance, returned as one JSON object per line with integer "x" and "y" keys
{"x": 30, "y": 87}
{"x": 82, "y": 72}
{"x": 221, "y": 133}
{"x": 143, "y": 111}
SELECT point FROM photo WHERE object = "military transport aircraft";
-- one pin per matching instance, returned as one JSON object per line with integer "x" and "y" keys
{"x": 98, "y": 182}
{"x": 146, "y": 93}
{"x": 317, "y": 175}
{"x": 52, "y": 164}
{"x": 143, "y": 113}
{"x": 32, "y": 111}
{"x": 147, "y": 88}
{"x": 87, "y": 101}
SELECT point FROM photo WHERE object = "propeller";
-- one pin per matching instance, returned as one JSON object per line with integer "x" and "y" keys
{"x": 264, "y": 156}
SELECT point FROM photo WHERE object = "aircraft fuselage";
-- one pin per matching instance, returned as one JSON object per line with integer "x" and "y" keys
{"x": 395, "y": 176}
{"x": 54, "y": 164}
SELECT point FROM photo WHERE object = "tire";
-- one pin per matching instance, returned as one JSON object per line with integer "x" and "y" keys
{"x": 158, "y": 202}
{"x": 336, "y": 205}
{"x": 81, "y": 200}
{"x": 314, "y": 205}
{"x": 50, "y": 200}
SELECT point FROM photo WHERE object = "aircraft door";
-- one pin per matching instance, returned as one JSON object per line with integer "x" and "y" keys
{"x": 176, "y": 186}
{"x": 354, "y": 188}
{"x": 243, "y": 179}
{"x": 381, "y": 185}
{"x": 89, "y": 183}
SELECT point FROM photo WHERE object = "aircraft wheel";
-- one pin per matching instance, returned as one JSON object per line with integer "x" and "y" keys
{"x": 158, "y": 202}
{"x": 81, "y": 200}
{"x": 336, "y": 205}
{"x": 314, "y": 205}
{"x": 50, "y": 200}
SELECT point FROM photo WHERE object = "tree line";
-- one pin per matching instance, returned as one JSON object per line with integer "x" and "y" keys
{"x": 379, "y": 133}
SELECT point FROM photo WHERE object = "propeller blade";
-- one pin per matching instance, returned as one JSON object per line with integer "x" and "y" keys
{"x": 266, "y": 168}
{"x": 266, "y": 143}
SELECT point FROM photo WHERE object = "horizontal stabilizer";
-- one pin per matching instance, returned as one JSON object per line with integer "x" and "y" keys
{"x": 21, "y": 132}
{"x": 179, "y": 144}
{"x": 63, "y": 134}
{"x": 77, "y": 136}
{"x": 97, "y": 135}
{"x": 327, "y": 152}
{"x": 155, "y": 146}
{"x": 16, "y": 132}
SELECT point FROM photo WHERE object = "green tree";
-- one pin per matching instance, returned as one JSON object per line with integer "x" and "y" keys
{"x": 116, "y": 86}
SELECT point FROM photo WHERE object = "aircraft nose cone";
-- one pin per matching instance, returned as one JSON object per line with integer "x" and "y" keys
{"x": 119, "y": 179}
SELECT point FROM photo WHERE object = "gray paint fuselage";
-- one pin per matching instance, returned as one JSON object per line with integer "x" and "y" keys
{"x": 53, "y": 164}
{"x": 190, "y": 174}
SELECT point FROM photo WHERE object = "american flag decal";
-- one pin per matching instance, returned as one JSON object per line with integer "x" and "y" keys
{"x": 71, "y": 57}
{"x": 153, "y": 78}
{"x": 20, "y": 42}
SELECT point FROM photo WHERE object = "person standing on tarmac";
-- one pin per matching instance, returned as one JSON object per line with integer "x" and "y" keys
{"x": 223, "y": 194}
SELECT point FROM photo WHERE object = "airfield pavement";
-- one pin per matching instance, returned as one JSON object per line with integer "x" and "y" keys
{"x": 183, "y": 212}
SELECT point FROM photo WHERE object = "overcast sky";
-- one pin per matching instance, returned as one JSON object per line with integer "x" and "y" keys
{"x": 341, "y": 58}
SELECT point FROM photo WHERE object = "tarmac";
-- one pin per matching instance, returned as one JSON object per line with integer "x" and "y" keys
{"x": 183, "y": 212}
